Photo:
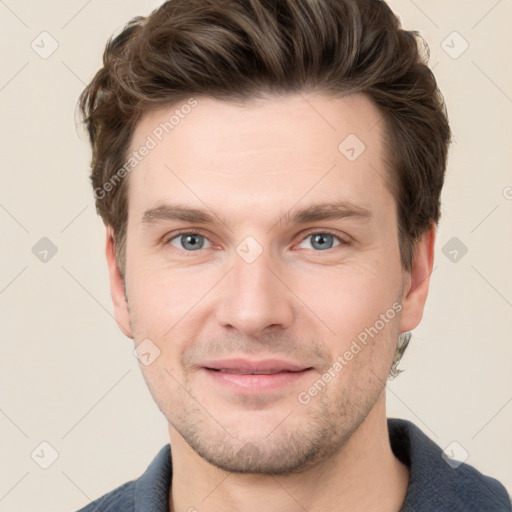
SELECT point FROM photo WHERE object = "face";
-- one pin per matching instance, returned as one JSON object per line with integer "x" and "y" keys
{"x": 263, "y": 273}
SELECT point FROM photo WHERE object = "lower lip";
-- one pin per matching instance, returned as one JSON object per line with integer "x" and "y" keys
{"x": 256, "y": 383}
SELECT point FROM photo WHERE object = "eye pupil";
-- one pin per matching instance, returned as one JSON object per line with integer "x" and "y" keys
{"x": 323, "y": 241}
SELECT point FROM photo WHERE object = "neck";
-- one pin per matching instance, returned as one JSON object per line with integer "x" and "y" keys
{"x": 364, "y": 475}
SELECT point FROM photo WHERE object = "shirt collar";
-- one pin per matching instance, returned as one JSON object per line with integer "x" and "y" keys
{"x": 433, "y": 483}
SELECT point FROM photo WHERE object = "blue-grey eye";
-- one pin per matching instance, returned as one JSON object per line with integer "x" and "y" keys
{"x": 189, "y": 241}
{"x": 322, "y": 241}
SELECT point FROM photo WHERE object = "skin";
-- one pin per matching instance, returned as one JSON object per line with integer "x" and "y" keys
{"x": 253, "y": 166}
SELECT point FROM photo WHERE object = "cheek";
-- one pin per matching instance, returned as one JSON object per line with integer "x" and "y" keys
{"x": 148, "y": 294}
{"x": 161, "y": 291}
{"x": 170, "y": 304}
{"x": 350, "y": 298}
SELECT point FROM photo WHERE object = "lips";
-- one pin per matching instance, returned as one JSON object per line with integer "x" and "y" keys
{"x": 254, "y": 377}
{"x": 241, "y": 372}
{"x": 247, "y": 367}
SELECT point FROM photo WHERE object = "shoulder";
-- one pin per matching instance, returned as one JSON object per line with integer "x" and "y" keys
{"x": 439, "y": 483}
{"x": 120, "y": 499}
{"x": 148, "y": 492}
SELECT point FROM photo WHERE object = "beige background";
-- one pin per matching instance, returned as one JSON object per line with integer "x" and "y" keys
{"x": 68, "y": 376}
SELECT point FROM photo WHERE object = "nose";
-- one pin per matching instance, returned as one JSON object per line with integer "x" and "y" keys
{"x": 255, "y": 298}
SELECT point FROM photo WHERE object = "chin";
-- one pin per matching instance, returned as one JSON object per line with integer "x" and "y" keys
{"x": 276, "y": 445}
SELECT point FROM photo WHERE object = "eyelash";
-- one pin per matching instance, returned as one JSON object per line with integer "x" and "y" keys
{"x": 342, "y": 241}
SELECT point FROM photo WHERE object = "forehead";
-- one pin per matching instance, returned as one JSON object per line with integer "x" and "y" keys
{"x": 263, "y": 154}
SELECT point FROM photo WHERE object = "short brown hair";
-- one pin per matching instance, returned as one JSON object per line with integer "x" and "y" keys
{"x": 242, "y": 49}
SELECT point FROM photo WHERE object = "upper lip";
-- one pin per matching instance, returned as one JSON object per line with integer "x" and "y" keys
{"x": 247, "y": 366}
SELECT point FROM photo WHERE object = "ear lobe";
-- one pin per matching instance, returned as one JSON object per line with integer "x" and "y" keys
{"x": 117, "y": 288}
{"x": 417, "y": 281}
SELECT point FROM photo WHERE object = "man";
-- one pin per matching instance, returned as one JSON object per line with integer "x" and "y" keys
{"x": 269, "y": 174}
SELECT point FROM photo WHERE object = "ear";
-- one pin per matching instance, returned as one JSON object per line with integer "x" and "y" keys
{"x": 417, "y": 281}
{"x": 117, "y": 289}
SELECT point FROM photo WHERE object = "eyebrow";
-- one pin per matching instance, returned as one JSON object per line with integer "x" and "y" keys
{"x": 319, "y": 212}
